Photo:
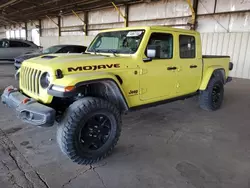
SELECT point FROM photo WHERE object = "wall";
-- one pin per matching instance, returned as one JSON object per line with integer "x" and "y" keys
{"x": 2, "y": 32}
{"x": 234, "y": 44}
{"x": 226, "y": 31}
{"x": 47, "y": 41}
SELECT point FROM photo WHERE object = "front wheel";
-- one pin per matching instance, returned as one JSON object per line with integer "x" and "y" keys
{"x": 211, "y": 99}
{"x": 90, "y": 130}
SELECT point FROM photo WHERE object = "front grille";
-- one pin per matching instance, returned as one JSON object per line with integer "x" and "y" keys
{"x": 30, "y": 79}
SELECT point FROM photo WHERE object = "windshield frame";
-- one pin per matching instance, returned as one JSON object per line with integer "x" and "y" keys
{"x": 109, "y": 50}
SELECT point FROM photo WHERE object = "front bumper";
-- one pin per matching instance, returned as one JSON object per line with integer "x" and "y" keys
{"x": 29, "y": 111}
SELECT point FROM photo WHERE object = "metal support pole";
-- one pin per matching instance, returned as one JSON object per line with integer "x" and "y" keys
{"x": 26, "y": 30}
{"x": 59, "y": 26}
{"x": 126, "y": 15}
{"x": 84, "y": 21}
{"x": 215, "y": 6}
{"x": 86, "y": 26}
{"x": 78, "y": 16}
{"x": 52, "y": 21}
{"x": 40, "y": 28}
{"x": 194, "y": 8}
{"x": 121, "y": 14}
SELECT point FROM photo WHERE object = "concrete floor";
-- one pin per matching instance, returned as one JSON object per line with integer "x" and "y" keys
{"x": 177, "y": 145}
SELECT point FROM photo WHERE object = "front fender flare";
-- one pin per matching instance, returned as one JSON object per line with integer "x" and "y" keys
{"x": 81, "y": 80}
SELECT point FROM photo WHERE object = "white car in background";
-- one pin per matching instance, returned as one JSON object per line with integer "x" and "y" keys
{"x": 11, "y": 48}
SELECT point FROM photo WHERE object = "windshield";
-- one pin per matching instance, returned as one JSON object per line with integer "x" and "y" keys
{"x": 52, "y": 49}
{"x": 125, "y": 42}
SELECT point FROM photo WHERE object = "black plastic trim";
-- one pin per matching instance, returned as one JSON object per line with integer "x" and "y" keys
{"x": 80, "y": 84}
{"x": 31, "y": 112}
{"x": 214, "y": 56}
{"x": 231, "y": 66}
{"x": 163, "y": 102}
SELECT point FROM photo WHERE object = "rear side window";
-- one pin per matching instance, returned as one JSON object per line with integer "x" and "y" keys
{"x": 18, "y": 44}
{"x": 187, "y": 46}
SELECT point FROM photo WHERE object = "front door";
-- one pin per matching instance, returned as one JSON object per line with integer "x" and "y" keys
{"x": 189, "y": 72}
{"x": 157, "y": 77}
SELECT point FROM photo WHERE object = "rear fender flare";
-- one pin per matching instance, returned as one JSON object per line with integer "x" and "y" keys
{"x": 212, "y": 71}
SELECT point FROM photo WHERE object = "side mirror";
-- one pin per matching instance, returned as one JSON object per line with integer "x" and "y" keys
{"x": 153, "y": 51}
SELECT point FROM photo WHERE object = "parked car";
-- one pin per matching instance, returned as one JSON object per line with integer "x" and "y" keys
{"x": 51, "y": 50}
{"x": 11, "y": 48}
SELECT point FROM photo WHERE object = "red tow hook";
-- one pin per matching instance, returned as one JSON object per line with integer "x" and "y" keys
{"x": 10, "y": 89}
{"x": 24, "y": 101}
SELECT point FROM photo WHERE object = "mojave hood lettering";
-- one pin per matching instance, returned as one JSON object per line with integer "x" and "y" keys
{"x": 93, "y": 67}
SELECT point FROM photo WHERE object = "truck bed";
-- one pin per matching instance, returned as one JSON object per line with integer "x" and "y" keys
{"x": 216, "y": 61}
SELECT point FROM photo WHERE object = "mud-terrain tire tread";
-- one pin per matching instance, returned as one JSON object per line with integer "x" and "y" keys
{"x": 68, "y": 125}
{"x": 205, "y": 96}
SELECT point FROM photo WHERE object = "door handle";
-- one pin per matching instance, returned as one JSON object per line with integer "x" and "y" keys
{"x": 172, "y": 68}
{"x": 193, "y": 66}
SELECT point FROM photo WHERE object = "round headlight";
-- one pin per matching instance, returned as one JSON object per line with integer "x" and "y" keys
{"x": 45, "y": 80}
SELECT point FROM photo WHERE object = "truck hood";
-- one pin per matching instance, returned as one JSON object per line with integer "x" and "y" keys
{"x": 51, "y": 59}
{"x": 75, "y": 63}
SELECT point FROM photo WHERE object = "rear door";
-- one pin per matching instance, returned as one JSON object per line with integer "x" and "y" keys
{"x": 189, "y": 63}
{"x": 18, "y": 48}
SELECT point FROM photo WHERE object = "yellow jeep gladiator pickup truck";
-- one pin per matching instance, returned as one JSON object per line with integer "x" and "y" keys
{"x": 122, "y": 70}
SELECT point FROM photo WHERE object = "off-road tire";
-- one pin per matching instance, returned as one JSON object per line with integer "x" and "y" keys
{"x": 73, "y": 121}
{"x": 206, "y": 97}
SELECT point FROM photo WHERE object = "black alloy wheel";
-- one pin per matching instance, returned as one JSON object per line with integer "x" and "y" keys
{"x": 95, "y": 133}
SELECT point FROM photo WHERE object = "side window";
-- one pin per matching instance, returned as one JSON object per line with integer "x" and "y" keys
{"x": 187, "y": 46}
{"x": 165, "y": 43}
{"x": 25, "y": 44}
{"x": 18, "y": 44}
{"x": 4, "y": 44}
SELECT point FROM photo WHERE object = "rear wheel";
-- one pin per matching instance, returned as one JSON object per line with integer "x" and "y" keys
{"x": 90, "y": 130}
{"x": 211, "y": 99}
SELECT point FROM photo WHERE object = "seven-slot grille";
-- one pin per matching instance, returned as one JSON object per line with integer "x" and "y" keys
{"x": 30, "y": 79}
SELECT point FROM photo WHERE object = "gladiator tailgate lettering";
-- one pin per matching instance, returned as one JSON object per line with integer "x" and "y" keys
{"x": 94, "y": 67}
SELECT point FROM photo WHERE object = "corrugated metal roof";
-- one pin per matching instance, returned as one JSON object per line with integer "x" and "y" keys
{"x": 16, "y": 11}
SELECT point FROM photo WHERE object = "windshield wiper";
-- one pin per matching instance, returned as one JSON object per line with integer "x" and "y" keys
{"x": 96, "y": 51}
{"x": 114, "y": 52}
